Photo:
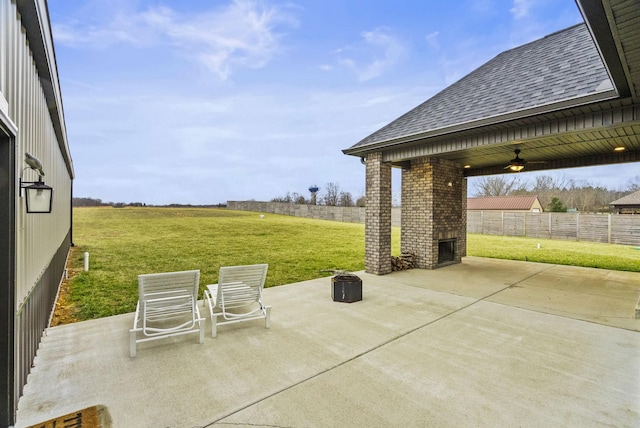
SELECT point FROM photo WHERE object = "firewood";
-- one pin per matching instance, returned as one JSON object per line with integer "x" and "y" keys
{"x": 403, "y": 262}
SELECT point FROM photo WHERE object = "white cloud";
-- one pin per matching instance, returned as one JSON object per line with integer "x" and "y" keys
{"x": 117, "y": 27}
{"x": 245, "y": 142}
{"x": 146, "y": 125}
{"x": 374, "y": 55}
{"x": 243, "y": 34}
{"x": 520, "y": 8}
{"x": 432, "y": 39}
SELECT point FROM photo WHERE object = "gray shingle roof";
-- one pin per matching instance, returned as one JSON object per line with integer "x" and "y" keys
{"x": 632, "y": 199}
{"x": 558, "y": 67}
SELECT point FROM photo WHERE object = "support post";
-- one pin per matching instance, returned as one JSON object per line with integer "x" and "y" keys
{"x": 378, "y": 216}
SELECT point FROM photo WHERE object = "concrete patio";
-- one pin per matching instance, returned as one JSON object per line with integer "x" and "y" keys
{"x": 482, "y": 343}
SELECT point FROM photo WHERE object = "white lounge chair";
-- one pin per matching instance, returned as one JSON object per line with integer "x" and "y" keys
{"x": 167, "y": 306}
{"x": 237, "y": 296}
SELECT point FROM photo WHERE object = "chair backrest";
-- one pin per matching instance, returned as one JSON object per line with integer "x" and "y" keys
{"x": 241, "y": 285}
{"x": 168, "y": 284}
{"x": 252, "y": 275}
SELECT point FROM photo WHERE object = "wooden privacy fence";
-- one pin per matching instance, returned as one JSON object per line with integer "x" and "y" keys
{"x": 606, "y": 228}
{"x": 318, "y": 212}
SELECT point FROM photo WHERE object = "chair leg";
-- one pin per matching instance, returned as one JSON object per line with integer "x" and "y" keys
{"x": 267, "y": 321}
{"x": 201, "y": 326}
{"x": 132, "y": 344}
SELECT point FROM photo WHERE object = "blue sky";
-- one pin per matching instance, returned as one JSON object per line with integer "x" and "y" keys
{"x": 207, "y": 101}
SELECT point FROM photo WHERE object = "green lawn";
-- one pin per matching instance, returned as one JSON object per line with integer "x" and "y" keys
{"x": 587, "y": 254}
{"x": 129, "y": 241}
{"x": 125, "y": 242}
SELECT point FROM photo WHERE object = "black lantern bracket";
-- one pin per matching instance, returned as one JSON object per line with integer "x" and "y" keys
{"x": 38, "y": 196}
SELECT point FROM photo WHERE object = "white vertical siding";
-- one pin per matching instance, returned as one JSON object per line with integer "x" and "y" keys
{"x": 33, "y": 113}
{"x": 38, "y": 236}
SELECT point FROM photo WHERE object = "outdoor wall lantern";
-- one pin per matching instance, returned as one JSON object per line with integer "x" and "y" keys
{"x": 39, "y": 196}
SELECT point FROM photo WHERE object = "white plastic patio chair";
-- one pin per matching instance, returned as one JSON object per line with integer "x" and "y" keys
{"x": 237, "y": 296}
{"x": 167, "y": 306}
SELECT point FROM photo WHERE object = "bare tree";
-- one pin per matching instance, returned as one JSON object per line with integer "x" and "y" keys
{"x": 290, "y": 198}
{"x": 585, "y": 198}
{"x": 543, "y": 183}
{"x": 285, "y": 199}
{"x": 345, "y": 199}
{"x": 297, "y": 198}
{"x": 634, "y": 184}
{"x": 546, "y": 187}
{"x": 595, "y": 199}
{"x": 497, "y": 186}
{"x": 580, "y": 195}
{"x": 332, "y": 193}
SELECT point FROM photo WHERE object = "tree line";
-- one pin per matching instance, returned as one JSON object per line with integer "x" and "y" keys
{"x": 331, "y": 195}
{"x": 556, "y": 194}
{"x": 94, "y": 202}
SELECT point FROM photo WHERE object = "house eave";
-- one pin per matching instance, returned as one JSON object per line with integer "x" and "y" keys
{"x": 361, "y": 151}
{"x": 599, "y": 22}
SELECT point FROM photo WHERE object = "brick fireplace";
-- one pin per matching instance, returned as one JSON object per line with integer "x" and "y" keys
{"x": 434, "y": 212}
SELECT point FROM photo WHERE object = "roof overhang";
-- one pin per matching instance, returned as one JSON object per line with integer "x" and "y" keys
{"x": 581, "y": 131}
{"x": 481, "y": 123}
{"x": 600, "y": 20}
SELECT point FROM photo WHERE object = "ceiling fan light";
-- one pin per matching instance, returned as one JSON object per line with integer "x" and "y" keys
{"x": 516, "y": 168}
{"x": 619, "y": 149}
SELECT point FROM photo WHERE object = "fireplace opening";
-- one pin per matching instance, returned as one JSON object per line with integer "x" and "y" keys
{"x": 446, "y": 250}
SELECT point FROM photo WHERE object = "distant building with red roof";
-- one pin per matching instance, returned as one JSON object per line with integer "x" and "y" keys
{"x": 505, "y": 203}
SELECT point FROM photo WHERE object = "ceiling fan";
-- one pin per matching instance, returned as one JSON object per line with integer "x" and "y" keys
{"x": 516, "y": 163}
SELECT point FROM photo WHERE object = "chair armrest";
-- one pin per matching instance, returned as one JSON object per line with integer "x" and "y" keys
{"x": 211, "y": 292}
